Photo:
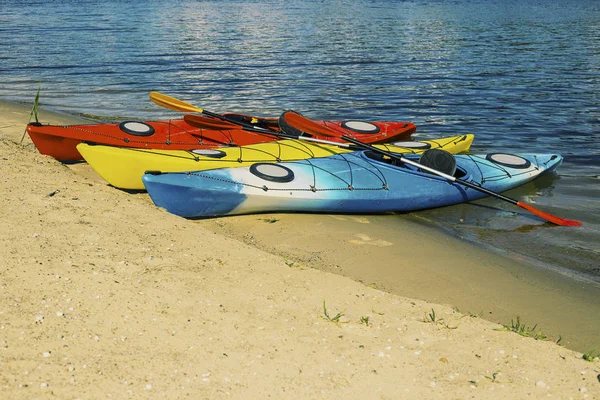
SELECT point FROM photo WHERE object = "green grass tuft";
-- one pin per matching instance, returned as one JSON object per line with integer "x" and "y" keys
{"x": 336, "y": 318}
{"x": 591, "y": 355}
{"x": 34, "y": 111}
{"x": 431, "y": 317}
{"x": 523, "y": 330}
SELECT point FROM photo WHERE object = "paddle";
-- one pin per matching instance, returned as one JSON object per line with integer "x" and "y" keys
{"x": 304, "y": 124}
{"x": 172, "y": 103}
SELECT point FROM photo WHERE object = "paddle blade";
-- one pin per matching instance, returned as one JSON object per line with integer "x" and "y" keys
{"x": 299, "y": 122}
{"x": 209, "y": 123}
{"x": 172, "y": 103}
{"x": 549, "y": 217}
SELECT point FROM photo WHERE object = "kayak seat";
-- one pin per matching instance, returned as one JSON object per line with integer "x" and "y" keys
{"x": 440, "y": 160}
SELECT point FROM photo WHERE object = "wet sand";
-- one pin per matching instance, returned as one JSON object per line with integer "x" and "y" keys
{"x": 409, "y": 257}
{"x": 102, "y": 294}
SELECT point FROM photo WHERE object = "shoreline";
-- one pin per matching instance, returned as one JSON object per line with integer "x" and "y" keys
{"x": 446, "y": 270}
{"x": 104, "y": 293}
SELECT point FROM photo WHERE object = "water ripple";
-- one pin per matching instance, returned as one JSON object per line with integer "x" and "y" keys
{"x": 521, "y": 75}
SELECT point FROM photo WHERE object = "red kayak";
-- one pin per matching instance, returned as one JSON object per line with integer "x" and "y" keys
{"x": 60, "y": 141}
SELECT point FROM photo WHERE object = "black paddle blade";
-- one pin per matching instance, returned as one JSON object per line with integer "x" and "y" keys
{"x": 440, "y": 160}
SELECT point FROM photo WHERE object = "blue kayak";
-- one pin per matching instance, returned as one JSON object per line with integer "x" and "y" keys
{"x": 358, "y": 182}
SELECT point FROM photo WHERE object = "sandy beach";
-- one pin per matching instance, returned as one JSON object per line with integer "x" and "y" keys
{"x": 104, "y": 295}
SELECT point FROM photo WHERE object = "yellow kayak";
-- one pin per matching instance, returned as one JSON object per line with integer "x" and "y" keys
{"x": 123, "y": 167}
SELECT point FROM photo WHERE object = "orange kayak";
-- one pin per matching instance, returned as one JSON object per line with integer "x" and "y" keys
{"x": 60, "y": 141}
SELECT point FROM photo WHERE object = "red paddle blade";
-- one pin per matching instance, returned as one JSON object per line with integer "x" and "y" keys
{"x": 304, "y": 124}
{"x": 549, "y": 217}
{"x": 208, "y": 123}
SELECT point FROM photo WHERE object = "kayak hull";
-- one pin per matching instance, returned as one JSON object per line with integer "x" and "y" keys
{"x": 60, "y": 141}
{"x": 124, "y": 167}
{"x": 344, "y": 183}
{"x": 60, "y": 147}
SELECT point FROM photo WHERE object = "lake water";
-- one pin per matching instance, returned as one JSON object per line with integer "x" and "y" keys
{"x": 523, "y": 76}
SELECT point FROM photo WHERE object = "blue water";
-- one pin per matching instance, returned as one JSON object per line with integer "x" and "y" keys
{"x": 523, "y": 76}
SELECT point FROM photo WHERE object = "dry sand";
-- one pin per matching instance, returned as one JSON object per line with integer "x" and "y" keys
{"x": 103, "y": 295}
